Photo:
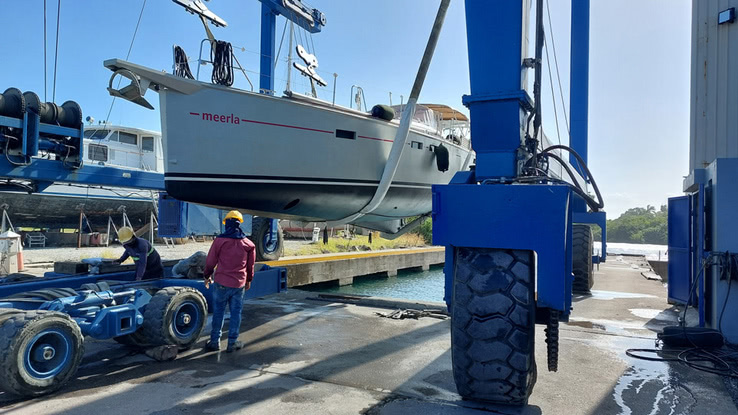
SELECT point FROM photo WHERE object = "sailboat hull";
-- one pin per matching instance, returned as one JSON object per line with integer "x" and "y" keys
{"x": 291, "y": 159}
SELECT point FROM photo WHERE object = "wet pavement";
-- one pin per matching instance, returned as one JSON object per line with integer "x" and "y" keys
{"x": 305, "y": 356}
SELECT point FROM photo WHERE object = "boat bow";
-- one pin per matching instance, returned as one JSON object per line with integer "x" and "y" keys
{"x": 142, "y": 79}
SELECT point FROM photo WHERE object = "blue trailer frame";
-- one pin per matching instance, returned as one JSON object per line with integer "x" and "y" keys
{"x": 118, "y": 311}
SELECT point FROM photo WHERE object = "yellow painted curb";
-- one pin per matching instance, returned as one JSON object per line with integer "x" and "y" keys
{"x": 338, "y": 257}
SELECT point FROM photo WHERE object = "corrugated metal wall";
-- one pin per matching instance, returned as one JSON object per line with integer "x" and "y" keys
{"x": 714, "y": 109}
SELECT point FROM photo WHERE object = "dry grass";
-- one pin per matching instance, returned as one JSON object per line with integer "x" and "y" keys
{"x": 357, "y": 244}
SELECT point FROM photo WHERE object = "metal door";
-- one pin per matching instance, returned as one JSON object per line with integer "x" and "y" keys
{"x": 680, "y": 258}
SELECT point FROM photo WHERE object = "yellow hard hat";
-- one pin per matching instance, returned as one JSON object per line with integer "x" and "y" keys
{"x": 234, "y": 214}
{"x": 125, "y": 234}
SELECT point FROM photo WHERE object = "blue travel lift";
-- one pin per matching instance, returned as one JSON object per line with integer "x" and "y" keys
{"x": 43, "y": 321}
{"x": 531, "y": 241}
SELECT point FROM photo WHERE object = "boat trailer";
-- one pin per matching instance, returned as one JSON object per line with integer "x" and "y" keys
{"x": 44, "y": 320}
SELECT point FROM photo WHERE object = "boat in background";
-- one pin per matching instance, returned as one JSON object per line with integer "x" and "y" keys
{"x": 58, "y": 206}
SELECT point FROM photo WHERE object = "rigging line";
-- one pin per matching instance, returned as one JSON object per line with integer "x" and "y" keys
{"x": 130, "y": 47}
{"x": 46, "y": 65}
{"x": 307, "y": 45}
{"x": 56, "y": 50}
{"x": 299, "y": 30}
{"x": 312, "y": 43}
{"x": 553, "y": 94}
{"x": 556, "y": 63}
{"x": 279, "y": 51}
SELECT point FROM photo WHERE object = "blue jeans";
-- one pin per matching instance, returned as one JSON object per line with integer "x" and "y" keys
{"x": 233, "y": 298}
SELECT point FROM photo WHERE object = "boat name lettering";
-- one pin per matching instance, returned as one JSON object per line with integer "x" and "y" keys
{"x": 228, "y": 119}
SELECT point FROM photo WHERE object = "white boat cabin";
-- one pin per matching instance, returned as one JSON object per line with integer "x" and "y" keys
{"x": 109, "y": 145}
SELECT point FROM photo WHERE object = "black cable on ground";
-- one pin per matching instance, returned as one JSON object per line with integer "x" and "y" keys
{"x": 221, "y": 54}
{"x": 714, "y": 360}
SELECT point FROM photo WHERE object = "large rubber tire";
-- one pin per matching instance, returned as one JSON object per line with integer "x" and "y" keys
{"x": 493, "y": 325}
{"x": 259, "y": 232}
{"x": 39, "y": 351}
{"x": 582, "y": 266}
{"x": 175, "y": 315}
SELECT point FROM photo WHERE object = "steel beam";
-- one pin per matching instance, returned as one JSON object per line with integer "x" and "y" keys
{"x": 268, "y": 37}
{"x": 498, "y": 102}
{"x": 579, "y": 86}
{"x": 43, "y": 170}
{"x": 511, "y": 217}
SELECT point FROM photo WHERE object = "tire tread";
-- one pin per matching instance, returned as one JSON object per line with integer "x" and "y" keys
{"x": 493, "y": 334}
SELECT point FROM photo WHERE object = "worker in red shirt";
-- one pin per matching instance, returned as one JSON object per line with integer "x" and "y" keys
{"x": 231, "y": 257}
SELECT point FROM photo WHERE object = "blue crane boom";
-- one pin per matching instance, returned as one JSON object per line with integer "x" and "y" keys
{"x": 307, "y": 18}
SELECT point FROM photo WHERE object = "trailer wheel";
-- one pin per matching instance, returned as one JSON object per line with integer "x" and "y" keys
{"x": 266, "y": 251}
{"x": 175, "y": 315}
{"x": 493, "y": 325}
{"x": 582, "y": 266}
{"x": 39, "y": 352}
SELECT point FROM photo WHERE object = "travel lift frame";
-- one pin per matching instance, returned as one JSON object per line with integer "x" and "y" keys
{"x": 513, "y": 268}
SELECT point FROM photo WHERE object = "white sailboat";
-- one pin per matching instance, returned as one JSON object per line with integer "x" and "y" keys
{"x": 296, "y": 156}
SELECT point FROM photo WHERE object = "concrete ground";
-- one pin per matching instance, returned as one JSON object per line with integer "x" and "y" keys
{"x": 305, "y": 356}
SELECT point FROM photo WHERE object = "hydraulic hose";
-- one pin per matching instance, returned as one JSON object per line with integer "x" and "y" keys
{"x": 583, "y": 165}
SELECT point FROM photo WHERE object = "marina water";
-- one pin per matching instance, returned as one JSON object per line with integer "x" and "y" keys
{"x": 428, "y": 285}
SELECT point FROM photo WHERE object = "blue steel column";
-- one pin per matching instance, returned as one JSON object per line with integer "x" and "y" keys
{"x": 268, "y": 37}
{"x": 579, "y": 86}
{"x": 496, "y": 75}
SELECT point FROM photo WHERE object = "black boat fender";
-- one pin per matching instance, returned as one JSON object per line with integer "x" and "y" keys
{"x": 384, "y": 112}
{"x": 441, "y": 153}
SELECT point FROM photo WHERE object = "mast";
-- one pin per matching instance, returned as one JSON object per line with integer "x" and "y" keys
{"x": 289, "y": 58}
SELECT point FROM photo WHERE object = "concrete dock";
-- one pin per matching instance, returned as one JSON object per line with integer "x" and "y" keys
{"x": 344, "y": 267}
{"x": 309, "y": 356}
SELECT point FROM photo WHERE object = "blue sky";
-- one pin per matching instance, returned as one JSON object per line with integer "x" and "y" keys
{"x": 639, "y": 68}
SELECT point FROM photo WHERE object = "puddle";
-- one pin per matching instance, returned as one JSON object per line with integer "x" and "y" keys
{"x": 612, "y": 295}
{"x": 586, "y": 325}
{"x": 644, "y": 390}
{"x": 662, "y": 315}
{"x": 611, "y": 326}
{"x": 646, "y": 387}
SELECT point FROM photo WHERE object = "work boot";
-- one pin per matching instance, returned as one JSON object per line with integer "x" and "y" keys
{"x": 212, "y": 346}
{"x": 237, "y": 345}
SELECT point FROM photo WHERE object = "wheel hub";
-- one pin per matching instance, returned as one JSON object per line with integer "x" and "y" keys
{"x": 44, "y": 353}
{"x": 187, "y": 319}
{"x": 48, "y": 353}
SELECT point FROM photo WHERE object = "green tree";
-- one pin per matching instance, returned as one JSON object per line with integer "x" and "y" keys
{"x": 638, "y": 225}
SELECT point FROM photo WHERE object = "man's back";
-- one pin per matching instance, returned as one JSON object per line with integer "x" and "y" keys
{"x": 235, "y": 260}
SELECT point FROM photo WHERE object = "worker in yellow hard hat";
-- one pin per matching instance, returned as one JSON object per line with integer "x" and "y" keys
{"x": 234, "y": 214}
{"x": 230, "y": 262}
{"x": 147, "y": 260}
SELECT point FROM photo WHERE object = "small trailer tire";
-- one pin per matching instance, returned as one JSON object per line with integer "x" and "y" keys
{"x": 39, "y": 351}
{"x": 175, "y": 315}
{"x": 582, "y": 265}
{"x": 493, "y": 325}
